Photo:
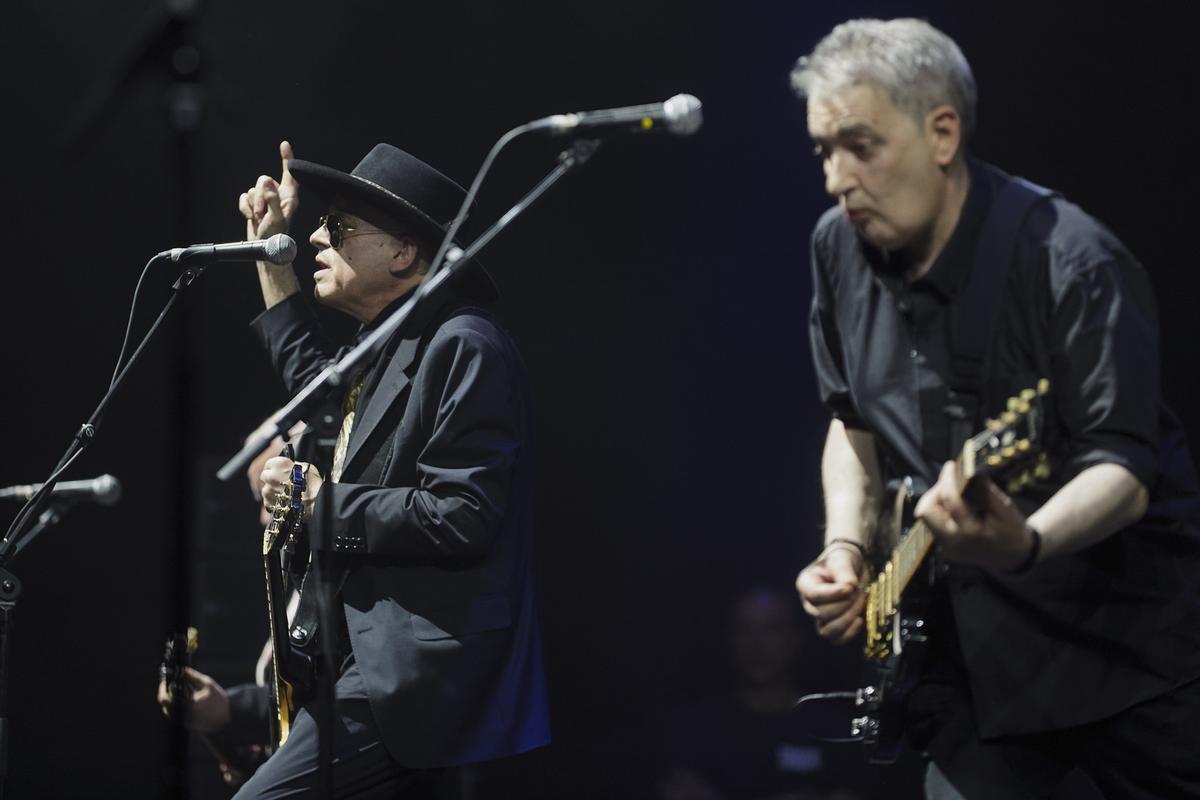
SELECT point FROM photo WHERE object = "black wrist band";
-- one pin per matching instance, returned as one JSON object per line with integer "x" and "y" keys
{"x": 862, "y": 550}
{"x": 1035, "y": 548}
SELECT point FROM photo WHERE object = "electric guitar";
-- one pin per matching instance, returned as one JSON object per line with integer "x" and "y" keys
{"x": 292, "y": 668}
{"x": 236, "y": 763}
{"x": 896, "y": 633}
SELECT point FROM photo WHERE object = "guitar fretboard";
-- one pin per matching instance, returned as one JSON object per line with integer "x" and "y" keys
{"x": 883, "y": 595}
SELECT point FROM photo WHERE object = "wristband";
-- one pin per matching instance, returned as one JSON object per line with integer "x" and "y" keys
{"x": 840, "y": 542}
{"x": 1035, "y": 548}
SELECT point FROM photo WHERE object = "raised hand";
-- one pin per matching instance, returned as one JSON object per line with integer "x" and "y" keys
{"x": 268, "y": 206}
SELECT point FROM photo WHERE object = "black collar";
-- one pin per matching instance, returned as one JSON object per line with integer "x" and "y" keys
{"x": 382, "y": 316}
{"x": 949, "y": 271}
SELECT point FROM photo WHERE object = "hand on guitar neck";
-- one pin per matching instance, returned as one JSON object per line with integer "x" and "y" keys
{"x": 981, "y": 526}
{"x": 276, "y": 479}
{"x": 206, "y": 706}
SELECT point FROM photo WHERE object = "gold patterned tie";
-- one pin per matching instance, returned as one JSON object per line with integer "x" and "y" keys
{"x": 343, "y": 437}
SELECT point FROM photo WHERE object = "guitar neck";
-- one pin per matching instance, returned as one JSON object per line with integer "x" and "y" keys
{"x": 908, "y": 555}
{"x": 907, "y": 558}
{"x": 883, "y": 595}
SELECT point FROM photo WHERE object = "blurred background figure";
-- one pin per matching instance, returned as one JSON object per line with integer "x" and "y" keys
{"x": 233, "y": 724}
{"x": 746, "y": 743}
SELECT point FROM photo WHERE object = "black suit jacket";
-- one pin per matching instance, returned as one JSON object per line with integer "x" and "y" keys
{"x": 433, "y": 519}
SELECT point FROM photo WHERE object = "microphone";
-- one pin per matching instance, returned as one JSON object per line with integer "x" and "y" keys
{"x": 105, "y": 490}
{"x": 680, "y": 116}
{"x": 279, "y": 249}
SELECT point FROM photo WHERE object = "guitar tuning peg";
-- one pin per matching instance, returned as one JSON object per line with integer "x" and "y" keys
{"x": 1020, "y": 482}
{"x": 1022, "y": 407}
{"x": 1043, "y": 387}
{"x": 1028, "y": 394}
{"x": 1008, "y": 418}
{"x": 995, "y": 461}
{"x": 994, "y": 425}
{"x": 1023, "y": 445}
{"x": 1009, "y": 452}
{"x": 1012, "y": 403}
{"x": 1042, "y": 471}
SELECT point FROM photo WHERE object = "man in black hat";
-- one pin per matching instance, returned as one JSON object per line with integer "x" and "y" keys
{"x": 427, "y": 507}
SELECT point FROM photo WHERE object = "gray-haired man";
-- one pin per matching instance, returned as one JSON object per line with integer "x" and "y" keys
{"x": 1066, "y": 624}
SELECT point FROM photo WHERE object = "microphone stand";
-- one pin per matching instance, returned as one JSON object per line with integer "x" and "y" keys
{"x": 48, "y": 519}
{"x": 336, "y": 375}
{"x": 331, "y": 378}
{"x": 14, "y": 542}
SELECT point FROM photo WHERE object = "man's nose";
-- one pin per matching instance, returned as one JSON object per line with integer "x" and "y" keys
{"x": 319, "y": 238}
{"x": 839, "y": 175}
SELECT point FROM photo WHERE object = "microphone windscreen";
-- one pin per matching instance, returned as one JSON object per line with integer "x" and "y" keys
{"x": 683, "y": 114}
{"x": 108, "y": 490}
{"x": 280, "y": 249}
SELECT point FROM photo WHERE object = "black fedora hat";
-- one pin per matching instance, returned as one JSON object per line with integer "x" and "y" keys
{"x": 392, "y": 186}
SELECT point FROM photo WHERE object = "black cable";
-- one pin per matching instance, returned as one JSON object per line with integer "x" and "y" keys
{"x": 87, "y": 431}
{"x": 808, "y": 698}
{"x": 129, "y": 323}
{"x": 463, "y": 210}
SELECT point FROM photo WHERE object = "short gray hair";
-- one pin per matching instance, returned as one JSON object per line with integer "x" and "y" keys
{"x": 918, "y": 66}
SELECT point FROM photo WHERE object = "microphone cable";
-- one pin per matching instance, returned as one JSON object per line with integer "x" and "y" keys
{"x": 464, "y": 209}
{"x": 808, "y": 698}
{"x": 129, "y": 323}
{"x": 37, "y": 499}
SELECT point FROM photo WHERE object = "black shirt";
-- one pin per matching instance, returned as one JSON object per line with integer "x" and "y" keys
{"x": 1084, "y": 635}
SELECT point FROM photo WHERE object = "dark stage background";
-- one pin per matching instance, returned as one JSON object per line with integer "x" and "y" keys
{"x": 659, "y": 297}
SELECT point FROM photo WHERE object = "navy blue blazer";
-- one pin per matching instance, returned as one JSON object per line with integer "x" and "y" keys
{"x": 433, "y": 518}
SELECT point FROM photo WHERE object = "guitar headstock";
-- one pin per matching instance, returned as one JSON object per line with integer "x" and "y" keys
{"x": 1009, "y": 449}
{"x": 288, "y": 510}
{"x": 176, "y": 655}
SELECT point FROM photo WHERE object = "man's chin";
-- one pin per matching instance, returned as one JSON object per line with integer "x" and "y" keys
{"x": 330, "y": 297}
{"x": 875, "y": 235}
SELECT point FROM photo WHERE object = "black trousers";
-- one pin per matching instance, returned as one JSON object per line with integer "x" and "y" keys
{"x": 362, "y": 766}
{"x": 1151, "y": 750}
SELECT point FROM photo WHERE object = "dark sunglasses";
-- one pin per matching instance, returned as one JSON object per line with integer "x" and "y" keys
{"x": 339, "y": 231}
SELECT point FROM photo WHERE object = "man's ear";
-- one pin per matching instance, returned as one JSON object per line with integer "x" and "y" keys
{"x": 943, "y": 129}
{"x": 406, "y": 256}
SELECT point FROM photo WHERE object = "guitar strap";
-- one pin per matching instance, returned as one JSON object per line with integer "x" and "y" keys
{"x": 973, "y": 317}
